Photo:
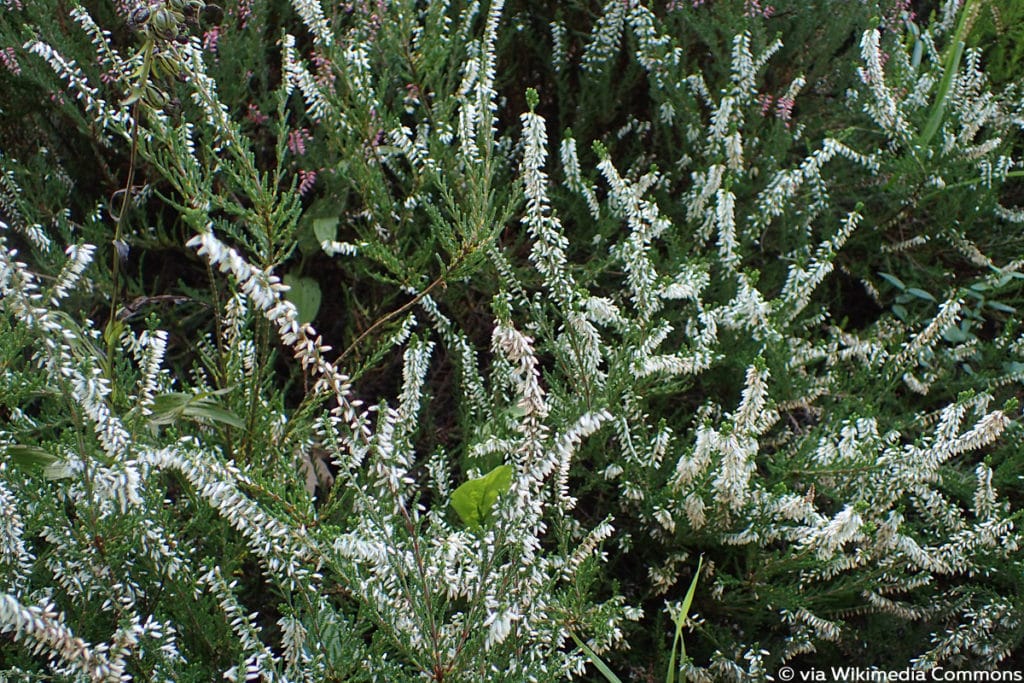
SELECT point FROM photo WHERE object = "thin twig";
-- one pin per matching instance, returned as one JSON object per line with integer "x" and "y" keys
{"x": 393, "y": 314}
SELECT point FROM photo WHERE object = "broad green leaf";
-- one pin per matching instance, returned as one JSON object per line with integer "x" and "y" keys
{"x": 598, "y": 662}
{"x": 475, "y": 498}
{"x": 30, "y": 456}
{"x": 305, "y": 294}
{"x": 517, "y": 411}
{"x": 956, "y": 334}
{"x": 57, "y": 470}
{"x": 34, "y": 457}
{"x": 325, "y": 229}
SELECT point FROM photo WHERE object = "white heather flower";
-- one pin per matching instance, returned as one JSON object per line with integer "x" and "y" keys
{"x": 801, "y": 282}
{"x": 606, "y": 37}
{"x": 689, "y": 282}
{"x": 318, "y": 106}
{"x": 884, "y": 108}
{"x": 732, "y": 480}
{"x": 558, "y": 42}
{"x": 984, "y": 494}
{"x": 79, "y": 257}
{"x": 948, "y": 314}
{"x": 748, "y": 310}
{"x": 153, "y": 346}
{"x": 565, "y": 448}
{"x": 603, "y": 311}
{"x": 43, "y": 627}
{"x": 108, "y": 118}
{"x": 753, "y": 416}
{"x": 826, "y": 630}
{"x": 548, "y": 251}
{"x": 844, "y": 527}
{"x": 587, "y": 547}
{"x": 499, "y": 625}
{"x": 693, "y": 506}
{"x": 690, "y": 467}
{"x": 312, "y": 15}
{"x": 646, "y": 224}
{"x": 15, "y": 558}
{"x": 571, "y": 167}
{"x": 518, "y": 348}
{"x": 665, "y": 519}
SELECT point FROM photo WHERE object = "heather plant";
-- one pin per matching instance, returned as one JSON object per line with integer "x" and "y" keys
{"x": 396, "y": 340}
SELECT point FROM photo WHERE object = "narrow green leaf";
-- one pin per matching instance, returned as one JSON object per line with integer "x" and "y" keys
{"x": 207, "y": 409}
{"x": 920, "y": 294}
{"x": 939, "y": 107}
{"x": 950, "y": 68}
{"x": 684, "y": 611}
{"x": 170, "y": 407}
{"x": 688, "y": 600}
{"x": 597, "y": 661}
{"x": 996, "y": 306}
{"x": 475, "y": 498}
{"x": 893, "y": 280}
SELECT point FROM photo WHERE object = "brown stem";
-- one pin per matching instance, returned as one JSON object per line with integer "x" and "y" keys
{"x": 393, "y": 314}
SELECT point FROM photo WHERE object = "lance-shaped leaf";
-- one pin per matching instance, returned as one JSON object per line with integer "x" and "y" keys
{"x": 170, "y": 407}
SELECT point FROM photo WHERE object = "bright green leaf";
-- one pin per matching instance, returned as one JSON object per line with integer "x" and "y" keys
{"x": 475, "y": 498}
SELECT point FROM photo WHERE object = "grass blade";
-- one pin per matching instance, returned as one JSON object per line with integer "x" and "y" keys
{"x": 598, "y": 662}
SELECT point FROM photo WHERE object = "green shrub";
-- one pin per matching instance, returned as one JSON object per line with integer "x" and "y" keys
{"x": 394, "y": 341}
